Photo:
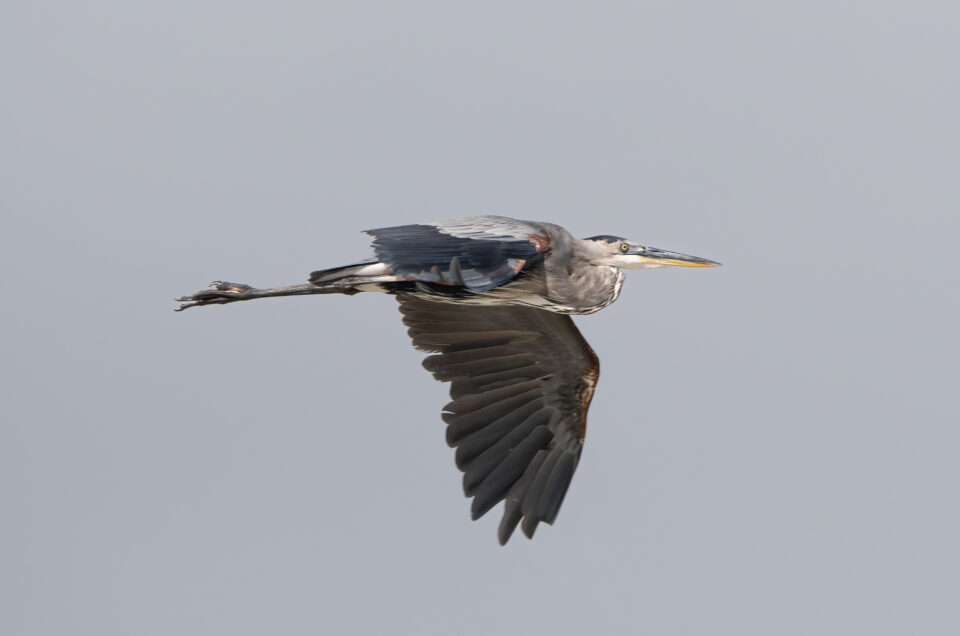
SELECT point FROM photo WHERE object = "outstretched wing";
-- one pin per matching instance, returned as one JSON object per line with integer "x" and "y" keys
{"x": 521, "y": 383}
{"x": 479, "y": 253}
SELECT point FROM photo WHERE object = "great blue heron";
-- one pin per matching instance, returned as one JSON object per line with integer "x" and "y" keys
{"x": 490, "y": 297}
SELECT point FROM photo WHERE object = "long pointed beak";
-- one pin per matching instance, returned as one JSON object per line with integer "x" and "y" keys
{"x": 653, "y": 257}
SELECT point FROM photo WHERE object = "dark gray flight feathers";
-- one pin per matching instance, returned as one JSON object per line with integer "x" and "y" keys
{"x": 489, "y": 298}
{"x": 521, "y": 381}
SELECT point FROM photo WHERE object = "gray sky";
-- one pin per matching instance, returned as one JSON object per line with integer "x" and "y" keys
{"x": 772, "y": 448}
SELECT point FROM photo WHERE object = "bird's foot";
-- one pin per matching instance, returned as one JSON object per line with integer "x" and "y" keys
{"x": 220, "y": 293}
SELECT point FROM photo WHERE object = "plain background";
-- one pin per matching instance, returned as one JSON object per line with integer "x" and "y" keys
{"x": 773, "y": 445}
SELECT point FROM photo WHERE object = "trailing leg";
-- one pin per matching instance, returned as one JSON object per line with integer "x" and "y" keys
{"x": 222, "y": 292}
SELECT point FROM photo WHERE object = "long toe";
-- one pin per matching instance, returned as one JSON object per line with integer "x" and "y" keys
{"x": 236, "y": 288}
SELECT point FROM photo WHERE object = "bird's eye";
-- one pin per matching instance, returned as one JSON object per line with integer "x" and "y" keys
{"x": 624, "y": 247}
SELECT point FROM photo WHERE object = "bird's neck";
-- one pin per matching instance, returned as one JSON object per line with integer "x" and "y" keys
{"x": 596, "y": 287}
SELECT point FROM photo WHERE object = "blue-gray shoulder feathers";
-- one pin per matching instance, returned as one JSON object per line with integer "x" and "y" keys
{"x": 479, "y": 253}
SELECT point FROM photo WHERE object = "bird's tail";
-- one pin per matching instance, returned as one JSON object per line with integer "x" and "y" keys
{"x": 350, "y": 276}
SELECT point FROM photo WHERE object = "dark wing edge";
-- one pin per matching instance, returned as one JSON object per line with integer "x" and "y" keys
{"x": 479, "y": 253}
{"x": 521, "y": 382}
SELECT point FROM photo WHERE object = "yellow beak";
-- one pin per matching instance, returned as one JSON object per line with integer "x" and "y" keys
{"x": 653, "y": 257}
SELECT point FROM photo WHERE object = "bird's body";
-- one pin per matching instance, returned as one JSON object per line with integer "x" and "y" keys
{"x": 484, "y": 261}
{"x": 490, "y": 297}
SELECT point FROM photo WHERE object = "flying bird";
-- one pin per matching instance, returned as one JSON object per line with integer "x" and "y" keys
{"x": 490, "y": 298}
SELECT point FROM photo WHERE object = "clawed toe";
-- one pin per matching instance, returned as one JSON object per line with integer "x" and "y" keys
{"x": 221, "y": 293}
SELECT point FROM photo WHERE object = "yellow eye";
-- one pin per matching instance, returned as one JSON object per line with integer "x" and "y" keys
{"x": 624, "y": 247}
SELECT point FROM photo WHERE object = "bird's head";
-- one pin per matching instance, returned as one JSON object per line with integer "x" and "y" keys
{"x": 617, "y": 251}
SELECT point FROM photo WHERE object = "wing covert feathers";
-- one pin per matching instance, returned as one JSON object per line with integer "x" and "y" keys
{"x": 478, "y": 253}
